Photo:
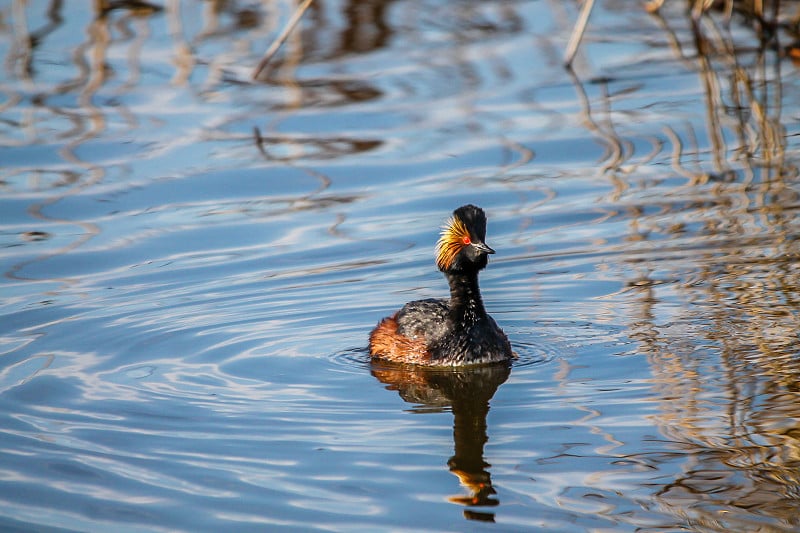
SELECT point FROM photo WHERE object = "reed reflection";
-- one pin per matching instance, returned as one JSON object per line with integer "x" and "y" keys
{"x": 466, "y": 392}
{"x": 726, "y": 377}
{"x": 740, "y": 77}
{"x": 713, "y": 288}
{"x": 726, "y": 370}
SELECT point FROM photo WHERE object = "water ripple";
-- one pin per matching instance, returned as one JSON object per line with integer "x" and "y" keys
{"x": 193, "y": 261}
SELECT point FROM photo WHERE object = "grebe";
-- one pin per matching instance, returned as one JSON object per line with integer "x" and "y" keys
{"x": 450, "y": 332}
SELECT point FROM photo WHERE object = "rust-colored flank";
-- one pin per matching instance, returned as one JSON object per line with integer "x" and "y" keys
{"x": 387, "y": 343}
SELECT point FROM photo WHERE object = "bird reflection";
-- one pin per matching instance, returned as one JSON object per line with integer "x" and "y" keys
{"x": 466, "y": 392}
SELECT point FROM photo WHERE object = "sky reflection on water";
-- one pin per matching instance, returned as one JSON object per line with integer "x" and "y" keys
{"x": 192, "y": 262}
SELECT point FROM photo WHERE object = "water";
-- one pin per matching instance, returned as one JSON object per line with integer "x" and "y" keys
{"x": 192, "y": 263}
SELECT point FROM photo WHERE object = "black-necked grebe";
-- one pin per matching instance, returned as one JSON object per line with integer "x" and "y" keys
{"x": 450, "y": 332}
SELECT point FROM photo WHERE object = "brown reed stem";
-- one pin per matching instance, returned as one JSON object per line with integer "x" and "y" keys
{"x": 276, "y": 44}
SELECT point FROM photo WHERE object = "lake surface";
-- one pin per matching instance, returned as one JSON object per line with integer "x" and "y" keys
{"x": 192, "y": 263}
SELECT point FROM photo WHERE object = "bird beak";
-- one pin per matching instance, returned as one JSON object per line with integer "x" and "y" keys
{"x": 482, "y": 247}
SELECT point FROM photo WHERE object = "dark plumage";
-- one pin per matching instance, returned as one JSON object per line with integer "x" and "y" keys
{"x": 450, "y": 332}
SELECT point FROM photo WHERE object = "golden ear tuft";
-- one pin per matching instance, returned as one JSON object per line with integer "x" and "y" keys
{"x": 454, "y": 237}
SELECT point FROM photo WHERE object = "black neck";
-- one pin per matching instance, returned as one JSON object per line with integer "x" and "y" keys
{"x": 465, "y": 297}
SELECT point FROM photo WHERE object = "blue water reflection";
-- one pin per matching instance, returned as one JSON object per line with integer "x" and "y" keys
{"x": 192, "y": 261}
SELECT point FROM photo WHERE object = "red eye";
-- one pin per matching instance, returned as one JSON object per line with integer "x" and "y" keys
{"x": 466, "y": 240}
